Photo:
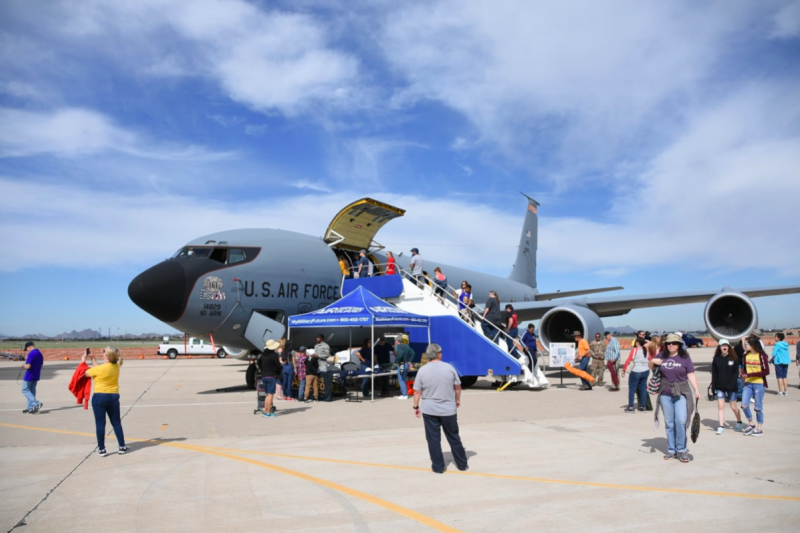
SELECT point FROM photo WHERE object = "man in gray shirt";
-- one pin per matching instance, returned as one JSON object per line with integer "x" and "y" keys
{"x": 416, "y": 267}
{"x": 438, "y": 385}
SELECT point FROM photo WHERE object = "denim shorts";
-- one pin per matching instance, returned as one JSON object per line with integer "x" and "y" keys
{"x": 730, "y": 397}
{"x": 269, "y": 385}
{"x": 781, "y": 371}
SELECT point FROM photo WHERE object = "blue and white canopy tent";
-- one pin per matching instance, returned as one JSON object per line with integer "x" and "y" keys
{"x": 360, "y": 308}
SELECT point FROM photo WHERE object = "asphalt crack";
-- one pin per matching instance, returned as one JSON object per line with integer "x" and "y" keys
{"x": 22, "y": 521}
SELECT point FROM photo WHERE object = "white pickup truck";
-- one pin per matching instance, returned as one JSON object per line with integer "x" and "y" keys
{"x": 194, "y": 346}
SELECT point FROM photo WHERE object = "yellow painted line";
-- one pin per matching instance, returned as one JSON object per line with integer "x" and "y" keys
{"x": 520, "y": 478}
{"x": 389, "y": 506}
{"x": 456, "y": 473}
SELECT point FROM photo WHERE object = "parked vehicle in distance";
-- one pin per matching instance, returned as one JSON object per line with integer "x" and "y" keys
{"x": 193, "y": 346}
{"x": 691, "y": 341}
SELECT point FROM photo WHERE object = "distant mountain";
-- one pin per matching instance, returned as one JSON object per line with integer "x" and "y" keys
{"x": 35, "y": 336}
{"x": 624, "y": 330}
{"x": 85, "y": 334}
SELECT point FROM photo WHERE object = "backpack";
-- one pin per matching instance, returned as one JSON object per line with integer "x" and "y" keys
{"x": 654, "y": 383}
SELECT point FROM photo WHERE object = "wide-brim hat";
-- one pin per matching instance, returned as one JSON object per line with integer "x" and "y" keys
{"x": 272, "y": 344}
{"x": 576, "y": 334}
{"x": 672, "y": 337}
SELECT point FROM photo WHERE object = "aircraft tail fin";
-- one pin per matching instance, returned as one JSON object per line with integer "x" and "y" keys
{"x": 524, "y": 270}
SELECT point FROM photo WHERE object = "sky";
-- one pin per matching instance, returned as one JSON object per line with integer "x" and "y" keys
{"x": 662, "y": 140}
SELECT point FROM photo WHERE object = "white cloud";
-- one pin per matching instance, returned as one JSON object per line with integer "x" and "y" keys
{"x": 577, "y": 82}
{"x": 787, "y": 22}
{"x": 721, "y": 195}
{"x": 269, "y": 60}
{"x": 73, "y": 132}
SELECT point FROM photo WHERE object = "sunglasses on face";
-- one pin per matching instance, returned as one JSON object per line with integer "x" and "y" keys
{"x": 673, "y": 344}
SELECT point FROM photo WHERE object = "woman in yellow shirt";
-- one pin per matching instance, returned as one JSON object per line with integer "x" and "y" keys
{"x": 105, "y": 400}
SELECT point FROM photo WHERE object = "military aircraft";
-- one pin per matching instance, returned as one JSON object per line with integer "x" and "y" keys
{"x": 238, "y": 287}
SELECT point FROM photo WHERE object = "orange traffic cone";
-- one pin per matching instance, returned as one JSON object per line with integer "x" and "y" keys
{"x": 66, "y": 358}
{"x": 141, "y": 356}
{"x": 188, "y": 356}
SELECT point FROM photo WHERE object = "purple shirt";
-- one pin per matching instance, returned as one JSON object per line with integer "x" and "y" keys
{"x": 35, "y": 359}
{"x": 674, "y": 369}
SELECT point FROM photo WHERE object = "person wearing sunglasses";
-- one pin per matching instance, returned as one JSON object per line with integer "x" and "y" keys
{"x": 675, "y": 395}
{"x": 724, "y": 380}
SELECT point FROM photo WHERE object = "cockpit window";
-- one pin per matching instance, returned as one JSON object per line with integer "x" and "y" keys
{"x": 236, "y": 255}
{"x": 220, "y": 254}
{"x": 192, "y": 251}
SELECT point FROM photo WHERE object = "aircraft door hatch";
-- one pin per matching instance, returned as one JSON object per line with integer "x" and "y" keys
{"x": 263, "y": 326}
{"x": 354, "y": 227}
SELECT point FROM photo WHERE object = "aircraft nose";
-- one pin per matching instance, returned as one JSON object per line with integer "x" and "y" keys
{"x": 160, "y": 290}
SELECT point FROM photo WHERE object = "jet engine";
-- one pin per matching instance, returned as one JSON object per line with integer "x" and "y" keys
{"x": 558, "y": 324}
{"x": 730, "y": 315}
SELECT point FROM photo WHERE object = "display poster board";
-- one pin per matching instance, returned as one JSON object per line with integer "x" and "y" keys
{"x": 561, "y": 353}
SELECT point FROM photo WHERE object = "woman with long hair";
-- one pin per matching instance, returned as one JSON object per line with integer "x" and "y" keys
{"x": 105, "y": 400}
{"x": 287, "y": 373}
{"x": 655, "y": 347}
{"x": 675, "y": 395}
{"x": 754, "y": 373}
{"x": 725, "y": 380}
{"x": 637, "y": 382}
{"x": 391, "y": 265}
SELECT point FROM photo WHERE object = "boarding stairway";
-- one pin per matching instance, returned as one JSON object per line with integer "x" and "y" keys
{"x": 458, "y": 332}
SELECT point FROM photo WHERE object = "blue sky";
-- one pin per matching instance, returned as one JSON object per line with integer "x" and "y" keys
{"x": 662, "y": 139}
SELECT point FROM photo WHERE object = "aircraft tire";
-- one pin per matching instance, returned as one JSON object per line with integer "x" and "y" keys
{"x": 172, "y": 354}
{"x": 468, "y": 381}
{"x": 250, "y": 377}
{"x": 221, "y": 354}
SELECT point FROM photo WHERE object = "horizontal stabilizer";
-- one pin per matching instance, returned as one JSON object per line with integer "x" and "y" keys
{"x": 543, "y": 296}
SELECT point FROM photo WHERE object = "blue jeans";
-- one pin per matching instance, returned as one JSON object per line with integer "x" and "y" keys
{"x": 675, "y": 422}
{"x": 753, "y": 390}
{"x": 402, "y": 376}
{"x": 638, "y": 381}
{"x": 433, "y": 434}
{"x": 107, "y": 404}
{"x": 512, "y": 334}
{"x": 302, "y": 390}
{"x": 286, "y": 380}
{"x": 583, "y": 365}
{"x": 365, "y": 388}
{"x": 29, "y": 390}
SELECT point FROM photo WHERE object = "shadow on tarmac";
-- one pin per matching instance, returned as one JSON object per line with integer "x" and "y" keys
{"x": 224, "y": 390}
{"x": 141, "y": 445}
{"x": 656, "y": 444}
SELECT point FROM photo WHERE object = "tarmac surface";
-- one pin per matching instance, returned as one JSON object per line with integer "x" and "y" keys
{"x": 557, "y": 458}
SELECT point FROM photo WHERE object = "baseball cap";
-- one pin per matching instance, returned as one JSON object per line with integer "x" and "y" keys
{"x": 576, "y": 334}
{"x": 415, "y": 250}
{"x": 724, "y": 341}
{"x": 28, "y": 345}
{"x": 302, "y": 349}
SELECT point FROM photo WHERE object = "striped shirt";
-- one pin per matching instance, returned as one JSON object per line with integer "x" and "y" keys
{"x": 612, "y": 350}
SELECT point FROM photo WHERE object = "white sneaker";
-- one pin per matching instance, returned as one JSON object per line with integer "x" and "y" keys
{"x": 402, "y": 397}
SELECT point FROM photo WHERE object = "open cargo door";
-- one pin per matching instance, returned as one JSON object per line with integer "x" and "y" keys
{"x": 354, "y": 227}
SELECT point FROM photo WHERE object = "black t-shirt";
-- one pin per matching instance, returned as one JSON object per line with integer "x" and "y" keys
{"x": 312, "y": 366}
{"x": 382, "y": 353}
{"x": 493, "y": 315}
{"x": 270, "y": 364}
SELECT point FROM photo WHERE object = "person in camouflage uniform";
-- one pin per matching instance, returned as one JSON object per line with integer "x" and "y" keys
{"x": 598, "y": 350}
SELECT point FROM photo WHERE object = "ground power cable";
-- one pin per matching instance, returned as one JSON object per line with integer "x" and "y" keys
{"x": 22, "y": 521}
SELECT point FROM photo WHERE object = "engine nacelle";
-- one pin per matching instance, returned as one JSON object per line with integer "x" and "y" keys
{"x": 558, "y": 324}
{"x": 730, "y": 315}
{"x": 237, "y": 352}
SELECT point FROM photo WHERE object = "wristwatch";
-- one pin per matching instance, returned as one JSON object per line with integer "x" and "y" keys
{"x": 416, "y": 407}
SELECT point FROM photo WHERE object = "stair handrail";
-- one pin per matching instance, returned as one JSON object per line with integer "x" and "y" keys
{"x": 453, "y": 301}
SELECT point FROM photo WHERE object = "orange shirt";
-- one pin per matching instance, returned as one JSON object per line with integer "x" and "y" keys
{"x": 583, "y": 348}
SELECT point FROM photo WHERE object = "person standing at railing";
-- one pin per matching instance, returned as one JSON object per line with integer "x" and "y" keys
{"x": 491, "y": 314}
{"x": 391, "y": 265}
{"x": 529, "y": 340}
{"x": 465, "y": 302}
{"x": 441, "y": 282}
{"x": 364, "y": 266}
{"x": 512, "y": 328}
{"x": 416, "y": 267}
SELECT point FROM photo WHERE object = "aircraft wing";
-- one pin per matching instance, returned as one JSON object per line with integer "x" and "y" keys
{"x": 620, "y": 305}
